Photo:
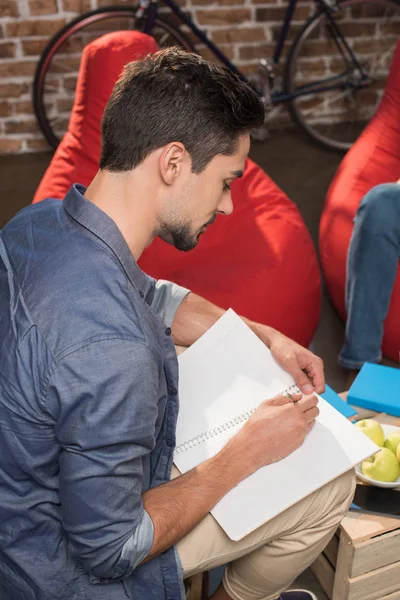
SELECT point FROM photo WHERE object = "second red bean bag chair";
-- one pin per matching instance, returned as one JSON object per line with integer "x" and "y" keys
{"x": 373, "y": 159}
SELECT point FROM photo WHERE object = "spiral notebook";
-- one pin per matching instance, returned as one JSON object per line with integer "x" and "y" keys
{"x": 224, "y": 376}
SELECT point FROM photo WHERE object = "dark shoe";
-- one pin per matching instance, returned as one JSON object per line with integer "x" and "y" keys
{"x": 297, "y": 595}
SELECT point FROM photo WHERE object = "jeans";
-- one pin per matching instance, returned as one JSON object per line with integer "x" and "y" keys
{"x": 371, "y": 271}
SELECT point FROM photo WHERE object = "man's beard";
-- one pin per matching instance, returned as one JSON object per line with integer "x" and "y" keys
{"x": 181, "y": 236}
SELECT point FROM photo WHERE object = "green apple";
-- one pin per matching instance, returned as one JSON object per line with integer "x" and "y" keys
{"x": 392, "y": 441}
{"x": 373, "y": 430}
{"x": 382, "y": 466}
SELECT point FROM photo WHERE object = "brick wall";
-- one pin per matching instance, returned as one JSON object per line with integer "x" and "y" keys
{"x": 244, "y": 29}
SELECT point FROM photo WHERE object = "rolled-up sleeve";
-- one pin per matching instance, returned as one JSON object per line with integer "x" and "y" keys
{"x": 104, "y": 397}
{"x": 165, "y": 297}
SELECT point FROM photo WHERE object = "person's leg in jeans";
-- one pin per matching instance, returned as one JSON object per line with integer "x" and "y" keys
{"x": 265, "y": 563}
{"x": 371, "y": 271}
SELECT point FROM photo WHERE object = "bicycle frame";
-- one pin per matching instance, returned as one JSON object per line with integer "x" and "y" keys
{"x": 277, "y": 97}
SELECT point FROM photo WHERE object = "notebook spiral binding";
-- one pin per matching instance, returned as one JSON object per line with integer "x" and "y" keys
{"x": 241, "y": 418}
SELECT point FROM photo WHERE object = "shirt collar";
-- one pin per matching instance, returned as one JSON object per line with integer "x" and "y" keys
{"x": 102, "y": 226}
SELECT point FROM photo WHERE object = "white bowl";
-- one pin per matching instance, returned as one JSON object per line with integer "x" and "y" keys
{"x": 387, "y": 430}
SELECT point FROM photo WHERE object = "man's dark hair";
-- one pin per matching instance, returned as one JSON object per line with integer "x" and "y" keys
{"x": 176, "y": 96}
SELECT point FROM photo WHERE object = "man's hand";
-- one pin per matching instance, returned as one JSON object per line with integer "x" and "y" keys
{"x": 306, "y": 368}
{"x": 275, "y": 430}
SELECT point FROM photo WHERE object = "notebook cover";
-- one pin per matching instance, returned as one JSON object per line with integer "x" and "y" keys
{"x": 377, "y": 387}
{"x": 337, "y": 402}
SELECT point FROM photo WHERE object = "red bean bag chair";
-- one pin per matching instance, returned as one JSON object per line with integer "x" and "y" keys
{"x": 260, "y": 260}
{"x": 373, "y": 159}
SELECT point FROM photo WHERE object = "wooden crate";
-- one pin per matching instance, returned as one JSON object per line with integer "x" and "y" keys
{"x": 362, "y": 561}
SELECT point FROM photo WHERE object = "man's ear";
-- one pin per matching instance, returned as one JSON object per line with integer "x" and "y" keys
{"x": 172, "y": 159}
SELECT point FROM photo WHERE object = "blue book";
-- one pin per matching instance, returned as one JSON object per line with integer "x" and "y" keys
{"x": 377, "y": 387}
{"x": 337, "y": 402}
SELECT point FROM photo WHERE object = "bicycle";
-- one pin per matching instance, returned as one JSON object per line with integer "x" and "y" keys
{"x": 331, "y": 101}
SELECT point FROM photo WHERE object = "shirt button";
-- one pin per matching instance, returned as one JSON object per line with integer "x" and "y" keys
{"x": 173, "y": 391}
{"x": 168, "y": 331}
{"x": 170, "y": 443}
{"x": 141, "y": 294}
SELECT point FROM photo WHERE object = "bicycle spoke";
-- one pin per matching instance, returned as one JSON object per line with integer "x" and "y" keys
{"x": 329, "y": 101}
{"x": 163, "y": 40}
{"x": 63, "y": 67}
{"x": 52, "y": 88}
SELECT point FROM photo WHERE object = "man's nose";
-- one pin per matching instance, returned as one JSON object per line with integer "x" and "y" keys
{"x": 226, "y": 205}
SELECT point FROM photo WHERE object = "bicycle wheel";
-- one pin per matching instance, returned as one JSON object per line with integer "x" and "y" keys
{"x": 57, "y": 70}
{"x": 336, "y": 117}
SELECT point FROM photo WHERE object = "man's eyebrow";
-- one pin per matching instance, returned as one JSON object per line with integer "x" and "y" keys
{"x": 237, "y": 173}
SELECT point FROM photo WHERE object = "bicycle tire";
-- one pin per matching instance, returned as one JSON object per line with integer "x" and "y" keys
{"x": 65, "y": 34}
{"x": 302, "y": 37}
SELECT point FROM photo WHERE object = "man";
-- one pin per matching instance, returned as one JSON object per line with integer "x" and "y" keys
{"x": 372, "y": 264}
{"x": 89, "y": 373}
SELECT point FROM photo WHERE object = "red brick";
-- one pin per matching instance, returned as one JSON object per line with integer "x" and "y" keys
{"x": 37, "y": 144}
{"x": 7, "y": 50}
{"x": 319, "y": 48}
{"x": 28, "y": 126}
{"x": 9, "y": 8}
{"x": 8, "y": 146}
{"x": 277, "y": 13}
{"x": 69, "y": 83}
{"x": 273, "y": 13}
{"x": 393, "y": 28}
{"x": 365, "y": 46}
{"x": 64, "y": 105}
{"x": 78, "y": 6}
{"x": 337, "y": 64}
{"x": 255, "y": 52}
{"x": 5, "y": 109}
{"x": 34, "y": 27}
{"x": 369, "y": 11}
{"x": 223, "y": 17}
{"x": 34, "y": 47}
{"x": 13, "y": 90}
{"x": 206, "y": 53}
{"x": 315, "y": 67}
{"x": 24, "y": 107}
{"x": 237, "y": 36}
{"x": 357, "y": 29}
{"x": 293, "y": 31}
{"x": 17, "y": 68}
{"x": 42, "y": 7}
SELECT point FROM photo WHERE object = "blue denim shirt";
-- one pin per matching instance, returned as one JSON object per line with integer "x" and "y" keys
{"x": 88, "y": 408}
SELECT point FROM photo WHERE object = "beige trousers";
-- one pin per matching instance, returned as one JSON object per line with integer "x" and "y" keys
{"x": 266, "y": 562}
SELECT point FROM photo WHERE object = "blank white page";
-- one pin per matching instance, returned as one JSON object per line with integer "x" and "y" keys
{"x": 227, "y": 373}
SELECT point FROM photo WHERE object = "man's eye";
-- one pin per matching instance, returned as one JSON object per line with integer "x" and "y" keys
{"x": 226, "y": 187}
